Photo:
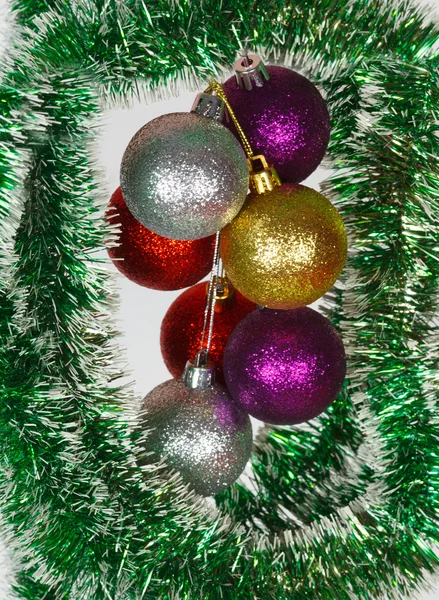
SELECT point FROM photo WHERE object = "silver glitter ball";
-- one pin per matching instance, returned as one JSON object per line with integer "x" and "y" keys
{"x": 184, "y": 176}
{"x": 203, "y": 434}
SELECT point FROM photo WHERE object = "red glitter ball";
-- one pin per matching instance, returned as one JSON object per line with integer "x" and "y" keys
{"x": 182, "y": 327}
{"x": 152, "y": 260}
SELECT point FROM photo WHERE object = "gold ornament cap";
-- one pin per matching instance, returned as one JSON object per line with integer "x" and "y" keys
{"x": 210, "y": 106}
{"x": 263, "y": 178}
{"x": 250, "y": 71}
{"x": 199, "y": 374}
{"x": 224, "y": 293}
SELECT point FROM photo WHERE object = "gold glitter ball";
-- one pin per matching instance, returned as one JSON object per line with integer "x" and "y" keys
{"x": 286, "y": 248}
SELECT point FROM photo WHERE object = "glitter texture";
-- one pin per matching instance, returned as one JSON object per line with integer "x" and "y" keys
{"x": 152, "y": 260}
{"x": 182, "y": 327}
{"x": 203, "y": 434}
{"x": 284, "y": 367}
{"x": 184, "y": 176}
{"x": 286, "y": 120}
{"x": 286, "y": 248}
{"x": 343, "y": 507}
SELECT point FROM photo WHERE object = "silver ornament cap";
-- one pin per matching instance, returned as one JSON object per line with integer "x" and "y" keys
{"x": 202, "y": 434}
{"x": 184, "y": 176}
{"x": 250, "y": 71}
{"x": 199, "y": 374}
{"x": 209, "y": 105}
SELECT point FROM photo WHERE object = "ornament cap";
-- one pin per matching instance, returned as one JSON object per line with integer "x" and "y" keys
{"x": 224, "y": 293}
{"x": 263, "y": 178}
{"x": 250, "y": 71}
{"x": 209, "y": 105}
{"x": 199, "y": 374}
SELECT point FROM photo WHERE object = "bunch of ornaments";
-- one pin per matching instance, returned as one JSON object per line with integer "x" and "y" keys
{"x": 184, "y": 204}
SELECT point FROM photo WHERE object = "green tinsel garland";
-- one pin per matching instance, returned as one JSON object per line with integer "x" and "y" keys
{"x": 343, "y": 507}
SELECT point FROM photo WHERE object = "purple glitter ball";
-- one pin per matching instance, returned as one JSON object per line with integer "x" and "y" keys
{"x": 286, "y": 120}
{"x": 284, "y": 366}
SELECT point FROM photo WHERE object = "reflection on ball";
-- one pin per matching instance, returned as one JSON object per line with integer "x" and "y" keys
{"x": 286, "y": 248}
{"x": 184, "y": 176}
{"x": 203, "y": 434}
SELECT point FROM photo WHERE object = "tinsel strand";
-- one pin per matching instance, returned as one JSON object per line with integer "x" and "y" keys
{"x": 343, "y": 506}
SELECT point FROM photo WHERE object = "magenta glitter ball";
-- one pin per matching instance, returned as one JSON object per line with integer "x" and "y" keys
{"x": 286, "y": 120}
{"x": 284, "y": 366}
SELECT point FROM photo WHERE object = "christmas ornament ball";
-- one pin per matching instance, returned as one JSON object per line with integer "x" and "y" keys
{"x": 284, "y": 367}
{"x": 204, "y": 435}
{"x": 184, "y": 176}
{"x": 182, "y": 327}
{"x": 286, "y": 120}
{"x": 286, "y": 248}
{"x": 151, "y": 260}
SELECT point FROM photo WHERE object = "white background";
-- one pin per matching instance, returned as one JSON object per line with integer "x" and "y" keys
{"x": 141, "y": 310}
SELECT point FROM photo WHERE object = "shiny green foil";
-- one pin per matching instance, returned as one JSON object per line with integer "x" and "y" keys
{"x": 343, "y": 507}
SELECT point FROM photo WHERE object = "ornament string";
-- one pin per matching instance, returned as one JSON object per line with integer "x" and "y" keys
{"x": 216, "y": 87}
{"x": 209, "y": 313}
{"x": 212, "y": 306}
{"x": 211, "y": 296}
